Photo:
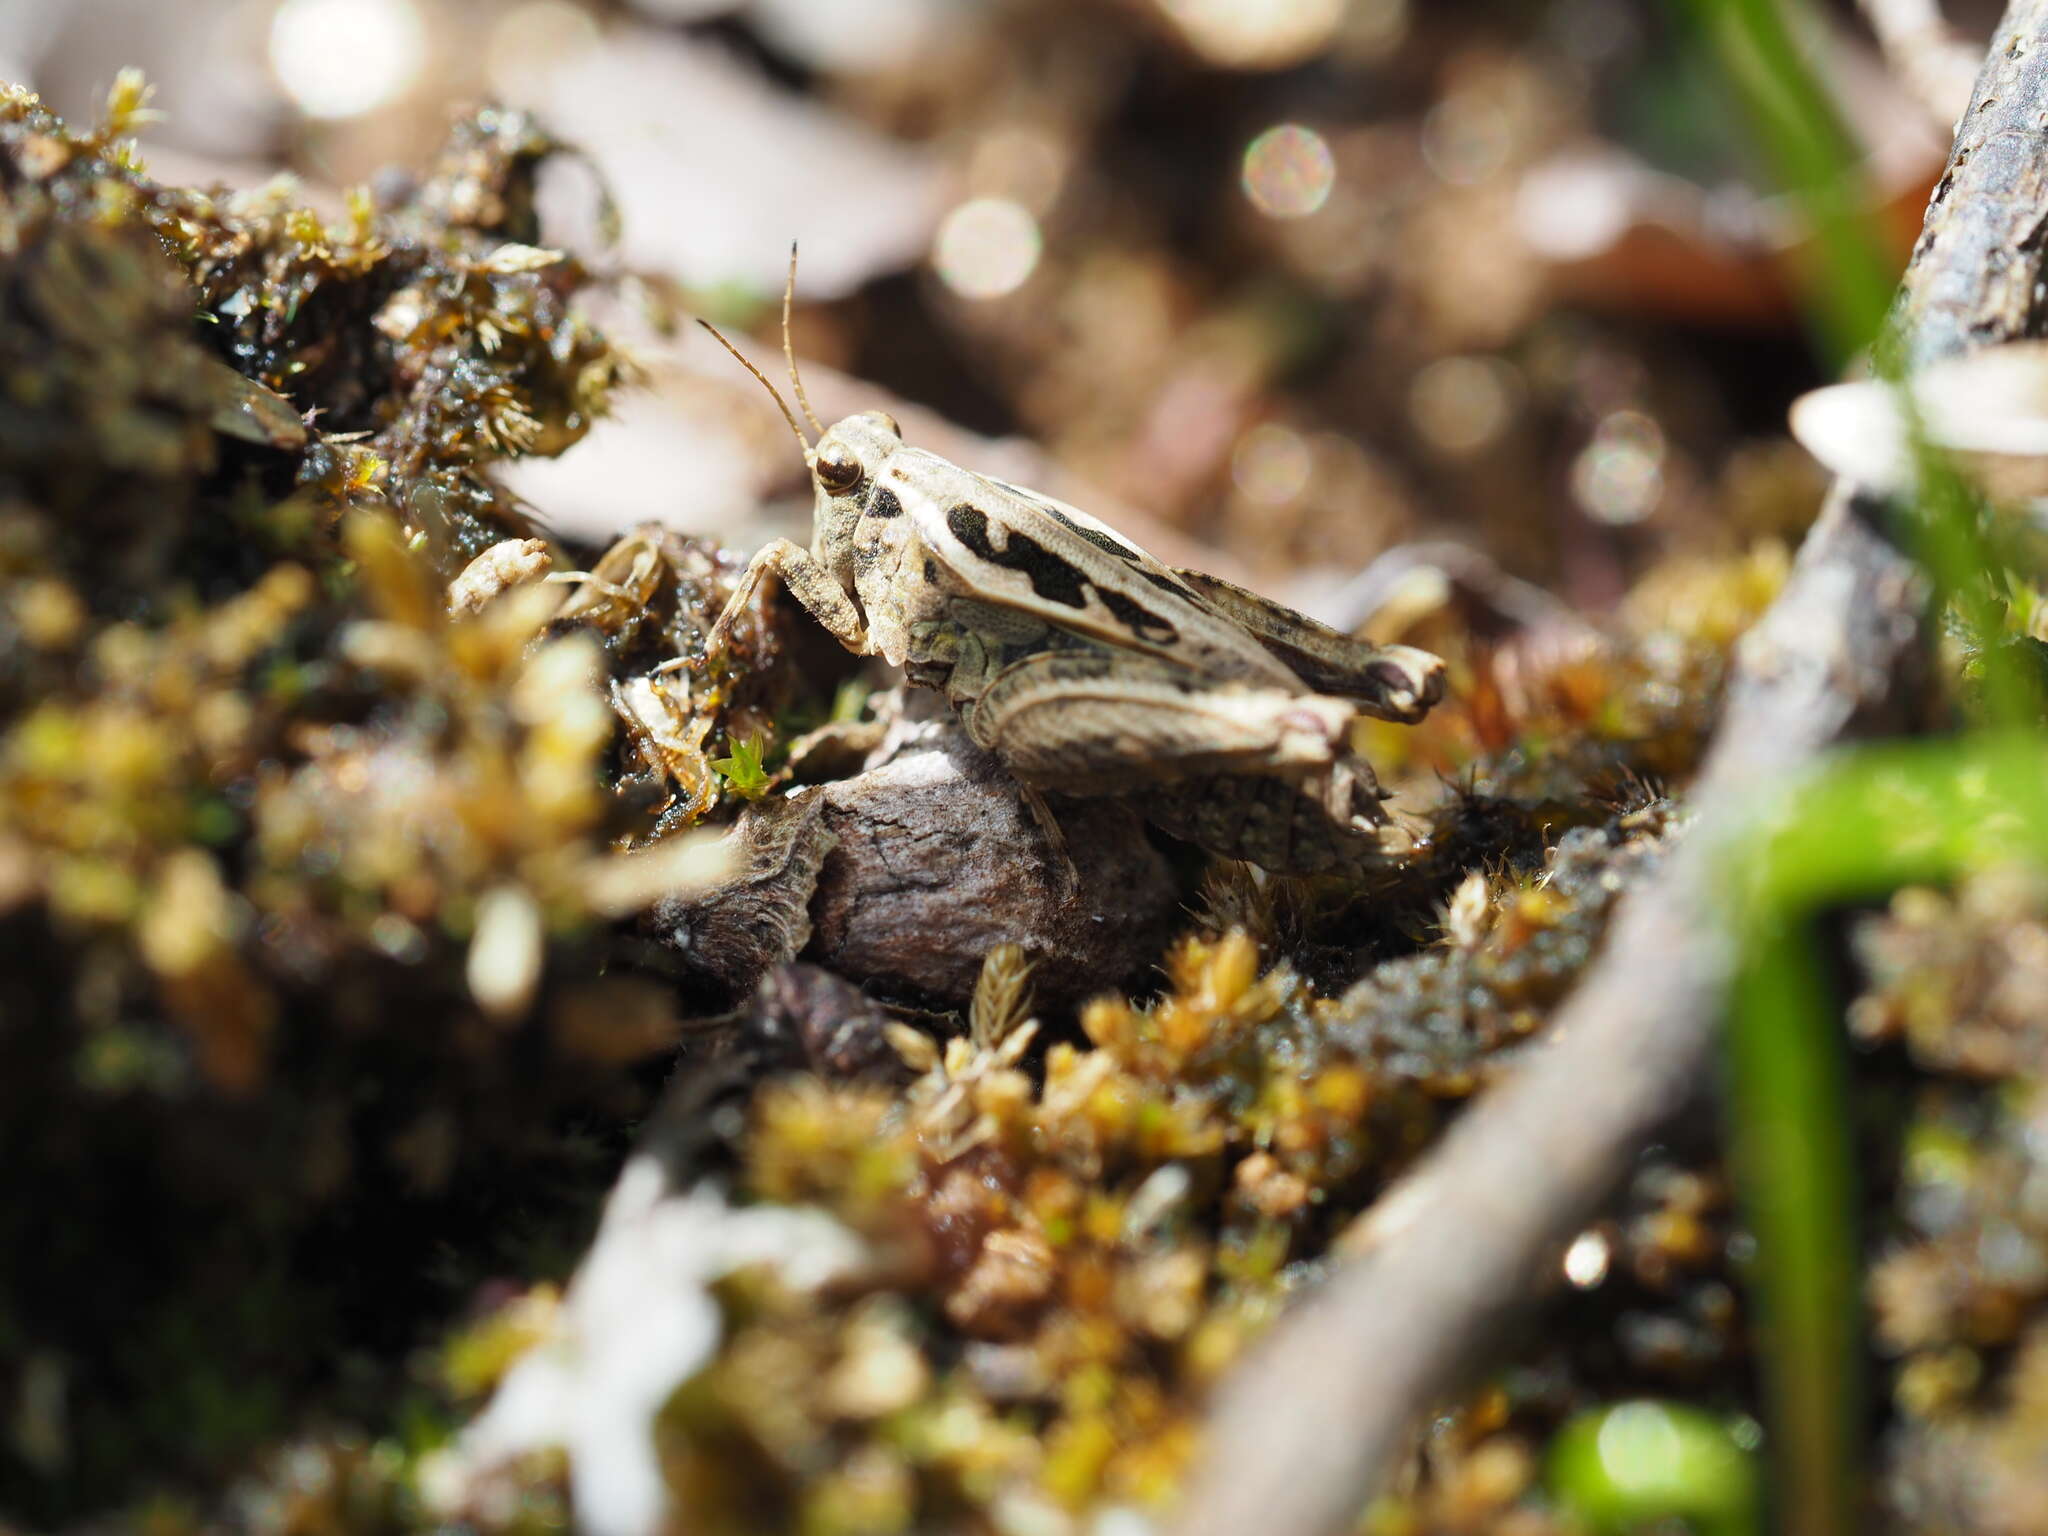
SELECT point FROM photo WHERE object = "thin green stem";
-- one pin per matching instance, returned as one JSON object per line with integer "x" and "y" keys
{"x": 1874, "y": 822}
{"x": 1794, "y": 1161}
{"x": 1871, "y": 821}
{"x": 1789, "y": 1123}
{"x": 1814, "y": 157}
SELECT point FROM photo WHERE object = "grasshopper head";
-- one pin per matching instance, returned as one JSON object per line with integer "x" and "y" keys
{"x": 851, "y": 454}
{"x": 844, "y": 468}
{"x": 845, "y": 461}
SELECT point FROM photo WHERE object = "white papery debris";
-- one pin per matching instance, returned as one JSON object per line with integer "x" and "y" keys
{"x": 679, "y": 126}
{"x": 638, "y": 1321}
{"x": 506, "y": 952}
{"x": 1989, "y": 409}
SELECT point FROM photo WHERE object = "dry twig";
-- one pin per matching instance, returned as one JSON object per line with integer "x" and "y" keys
{"x": 1301, "y": 1436}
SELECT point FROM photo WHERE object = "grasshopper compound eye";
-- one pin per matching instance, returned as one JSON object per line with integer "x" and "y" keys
{"x": 837, "y": 469}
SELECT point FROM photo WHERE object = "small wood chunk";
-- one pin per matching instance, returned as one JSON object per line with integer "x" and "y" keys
{"x": 758, "y": 918}
{"x": 938, "y": 860}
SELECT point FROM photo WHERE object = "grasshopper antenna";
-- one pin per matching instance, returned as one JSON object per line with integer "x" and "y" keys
{"x": 787, "y": 414}
{"x": 789, "y": 350}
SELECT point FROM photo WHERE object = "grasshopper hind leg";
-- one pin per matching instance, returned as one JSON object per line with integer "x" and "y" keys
{"x": 1055, "y": 839}
{"x": 1246, "y": 772}
{"x": 1328, "y": 823}
{"x": 1087, "y": 721}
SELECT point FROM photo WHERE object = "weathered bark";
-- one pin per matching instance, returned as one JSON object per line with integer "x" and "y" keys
{"x": 937, "y": 861}
{"x": 903, "y": 876}
{"x": 1979, "y": 272}
{"x": 759, "y": 917}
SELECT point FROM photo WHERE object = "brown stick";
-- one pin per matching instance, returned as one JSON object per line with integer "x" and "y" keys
{"x": 1977, "y": 270}
{"x": 1302, "y": 1434}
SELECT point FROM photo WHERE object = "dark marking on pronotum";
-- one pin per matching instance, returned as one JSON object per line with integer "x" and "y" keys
{"x": 970, "y": 527}
{"x": 1137, "y": 618}
{"x": 1095, "y": 536}
{"x": 1050, "y": 576}
{"x": 931, "y": 571}
{"x": 884, "y": 504}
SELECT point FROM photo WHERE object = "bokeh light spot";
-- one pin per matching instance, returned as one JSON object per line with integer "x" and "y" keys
{"x": 1289, "y": 171}
{"x": 1465, "y": 138}
{"x": 987, "y": 247}
{"x": 1640, "y": 1440}
{"x": 1619, "y": 476}
{"x": 1372, "y": 29}
{"x": 1255, "y": 34}
{"x": 1271, "y": 464}
{"x": 1021, "y": 161}
{"x": 342, "y": 58}
{"x": 1586, "y": 1261}
{"x": 1462, "y": 404}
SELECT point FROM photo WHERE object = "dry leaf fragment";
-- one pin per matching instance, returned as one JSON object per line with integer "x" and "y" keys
{"x": 508, "y": 563}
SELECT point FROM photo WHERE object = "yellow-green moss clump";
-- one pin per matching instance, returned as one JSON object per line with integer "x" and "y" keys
{"x": 305, "y": 984}
{"x": 1070, "y": 1240}
{"x": 1081, "y": 1246}
{"x": 1959, "y": 987}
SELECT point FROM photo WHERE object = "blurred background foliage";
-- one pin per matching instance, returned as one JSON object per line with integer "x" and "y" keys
{"x": 1300, "y": 278}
